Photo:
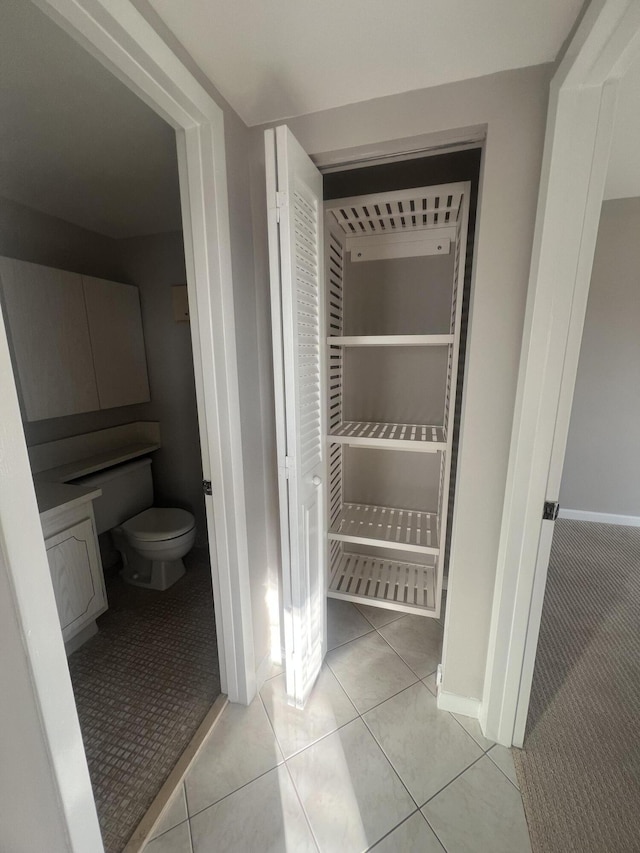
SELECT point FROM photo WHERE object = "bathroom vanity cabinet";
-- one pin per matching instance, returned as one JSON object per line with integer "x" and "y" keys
{"x": 68, "y": 525}
{"x": 77, "y": 342}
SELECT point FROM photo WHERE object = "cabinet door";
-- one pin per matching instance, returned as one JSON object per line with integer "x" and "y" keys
{"x": 76, "y": 574}
{"x": 294, "y": 188}
{"x": 50, "y": 338}
{"x": 115, "y": 326}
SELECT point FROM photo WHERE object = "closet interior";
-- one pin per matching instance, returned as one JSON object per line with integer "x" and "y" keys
{"x": 394, "y": 273}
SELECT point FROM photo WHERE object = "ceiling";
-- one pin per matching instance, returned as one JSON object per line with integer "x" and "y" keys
{"x": 75, "y": 142}
{"x": 623, "y": 176}
{"x": 282, "y": 58}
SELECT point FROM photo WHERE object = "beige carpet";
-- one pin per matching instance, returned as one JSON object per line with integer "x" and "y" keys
{"x": 580, "y": 769}
{"x": 142, "y": 686}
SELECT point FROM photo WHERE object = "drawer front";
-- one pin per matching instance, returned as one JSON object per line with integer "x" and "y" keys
{"x": 76, "y": 574}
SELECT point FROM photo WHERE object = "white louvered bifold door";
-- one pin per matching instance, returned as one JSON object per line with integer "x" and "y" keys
{"x": 294, "y": 199}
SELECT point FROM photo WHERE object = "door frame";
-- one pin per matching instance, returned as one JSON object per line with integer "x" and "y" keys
{"x": 576, "y": 155}
{"x": 119, "y": 37}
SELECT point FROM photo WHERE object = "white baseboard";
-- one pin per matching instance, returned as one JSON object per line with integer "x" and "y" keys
{"x": 600, "y": 517}
{"x": 465, "y": 705}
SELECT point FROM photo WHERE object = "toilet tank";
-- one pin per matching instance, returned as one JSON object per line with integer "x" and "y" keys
{"x": 127, "y": 489}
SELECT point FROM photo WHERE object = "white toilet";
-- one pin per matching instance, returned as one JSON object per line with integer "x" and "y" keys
{"x": 151, "y": 540}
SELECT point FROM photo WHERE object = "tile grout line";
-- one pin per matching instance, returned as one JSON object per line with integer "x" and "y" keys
{"x": 500, "y": 768}
{"x": 244, "y": 785}
{"x": 420, "y": 678}
{"x": 235, "y": 790}
{"x": 180, "y": 822}
{"x": 432, "y": 828}
{"x": 360, "y": 713}
{"x": 271, "y": 726}
{"x": 400, "y": 656}
{"x": 190, "y": 835}
{"x": 314, "y": 743}
{"x": 485, "y": 751}
{"x": 387, "y": 834}
{"x": 304, "y": 811}
{"x": 451, "y": 781}
{"x": 385, "y": 757}
{"x": 352, "y": 640}
{"x": 381, "y": 748}
{"x": 186, "y": 805}
{"x": 375, "y": 627}
{"x": 322, "y": 737}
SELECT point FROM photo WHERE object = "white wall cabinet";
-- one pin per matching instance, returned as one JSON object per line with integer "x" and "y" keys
{"x": 117, "y": 342}
{"x": 77, "y": 341}
{"x": 50, "y": 339}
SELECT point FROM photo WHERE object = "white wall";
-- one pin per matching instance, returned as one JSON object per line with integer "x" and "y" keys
{"x": 513, "y": 107}
{"x": 602, "y": 463}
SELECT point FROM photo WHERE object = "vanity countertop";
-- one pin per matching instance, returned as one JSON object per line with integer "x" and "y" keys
{"x": 53, "y": 496}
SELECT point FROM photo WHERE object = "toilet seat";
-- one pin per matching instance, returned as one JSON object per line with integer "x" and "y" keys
{"x": 158, "y": 524}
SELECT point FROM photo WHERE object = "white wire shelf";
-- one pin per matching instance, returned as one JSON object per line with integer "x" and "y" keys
{"x": 417, "y": 437}
{"x": 400, "y": 529}
{"x": 390, "y": 340}
{"x": 362, "y": 579}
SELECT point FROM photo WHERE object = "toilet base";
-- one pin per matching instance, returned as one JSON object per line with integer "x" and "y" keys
{"x": 149, "y": 574}
{"x": 159, "y": 574}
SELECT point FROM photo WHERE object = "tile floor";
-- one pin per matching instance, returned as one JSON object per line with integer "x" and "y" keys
{"x": 370, "y": 762}
{"x": 142, "y": 685}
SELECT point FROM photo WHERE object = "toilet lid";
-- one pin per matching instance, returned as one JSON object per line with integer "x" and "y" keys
{"x": 156, "y": 523}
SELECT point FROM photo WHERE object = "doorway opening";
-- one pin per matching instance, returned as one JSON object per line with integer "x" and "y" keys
{"x": 94, "y": 297}
{"x": 579, "y": 738}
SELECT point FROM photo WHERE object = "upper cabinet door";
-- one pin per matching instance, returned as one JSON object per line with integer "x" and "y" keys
{"x": 50, "y": 339}
{"x": 294, "y": 200}
{"x": 115, "y": 326}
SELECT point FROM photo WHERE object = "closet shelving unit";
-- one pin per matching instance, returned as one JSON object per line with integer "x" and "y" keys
{"x": 394, "y": 264}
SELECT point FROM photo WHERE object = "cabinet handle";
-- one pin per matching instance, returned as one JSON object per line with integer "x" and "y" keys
{"x": 316, "y": 480}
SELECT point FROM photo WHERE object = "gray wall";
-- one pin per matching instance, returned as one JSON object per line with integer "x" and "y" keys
{"x": 29, "y": 235}
{"x": 513, "y": 107}
{"x": 154, "y": 264}
{"x": 602, "y": 464}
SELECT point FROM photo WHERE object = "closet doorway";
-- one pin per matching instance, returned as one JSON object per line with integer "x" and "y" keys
{"x": 374, "y": 303}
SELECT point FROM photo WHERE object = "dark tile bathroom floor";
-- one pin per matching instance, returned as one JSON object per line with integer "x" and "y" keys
{"x": 143, "y": 685}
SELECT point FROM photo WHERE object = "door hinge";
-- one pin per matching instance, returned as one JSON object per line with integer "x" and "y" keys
{"x": 282, "y": 200}
{"x": 289, "y": 463}
{"x": 550, "y": 510}
{"x": 206, "y": 487}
